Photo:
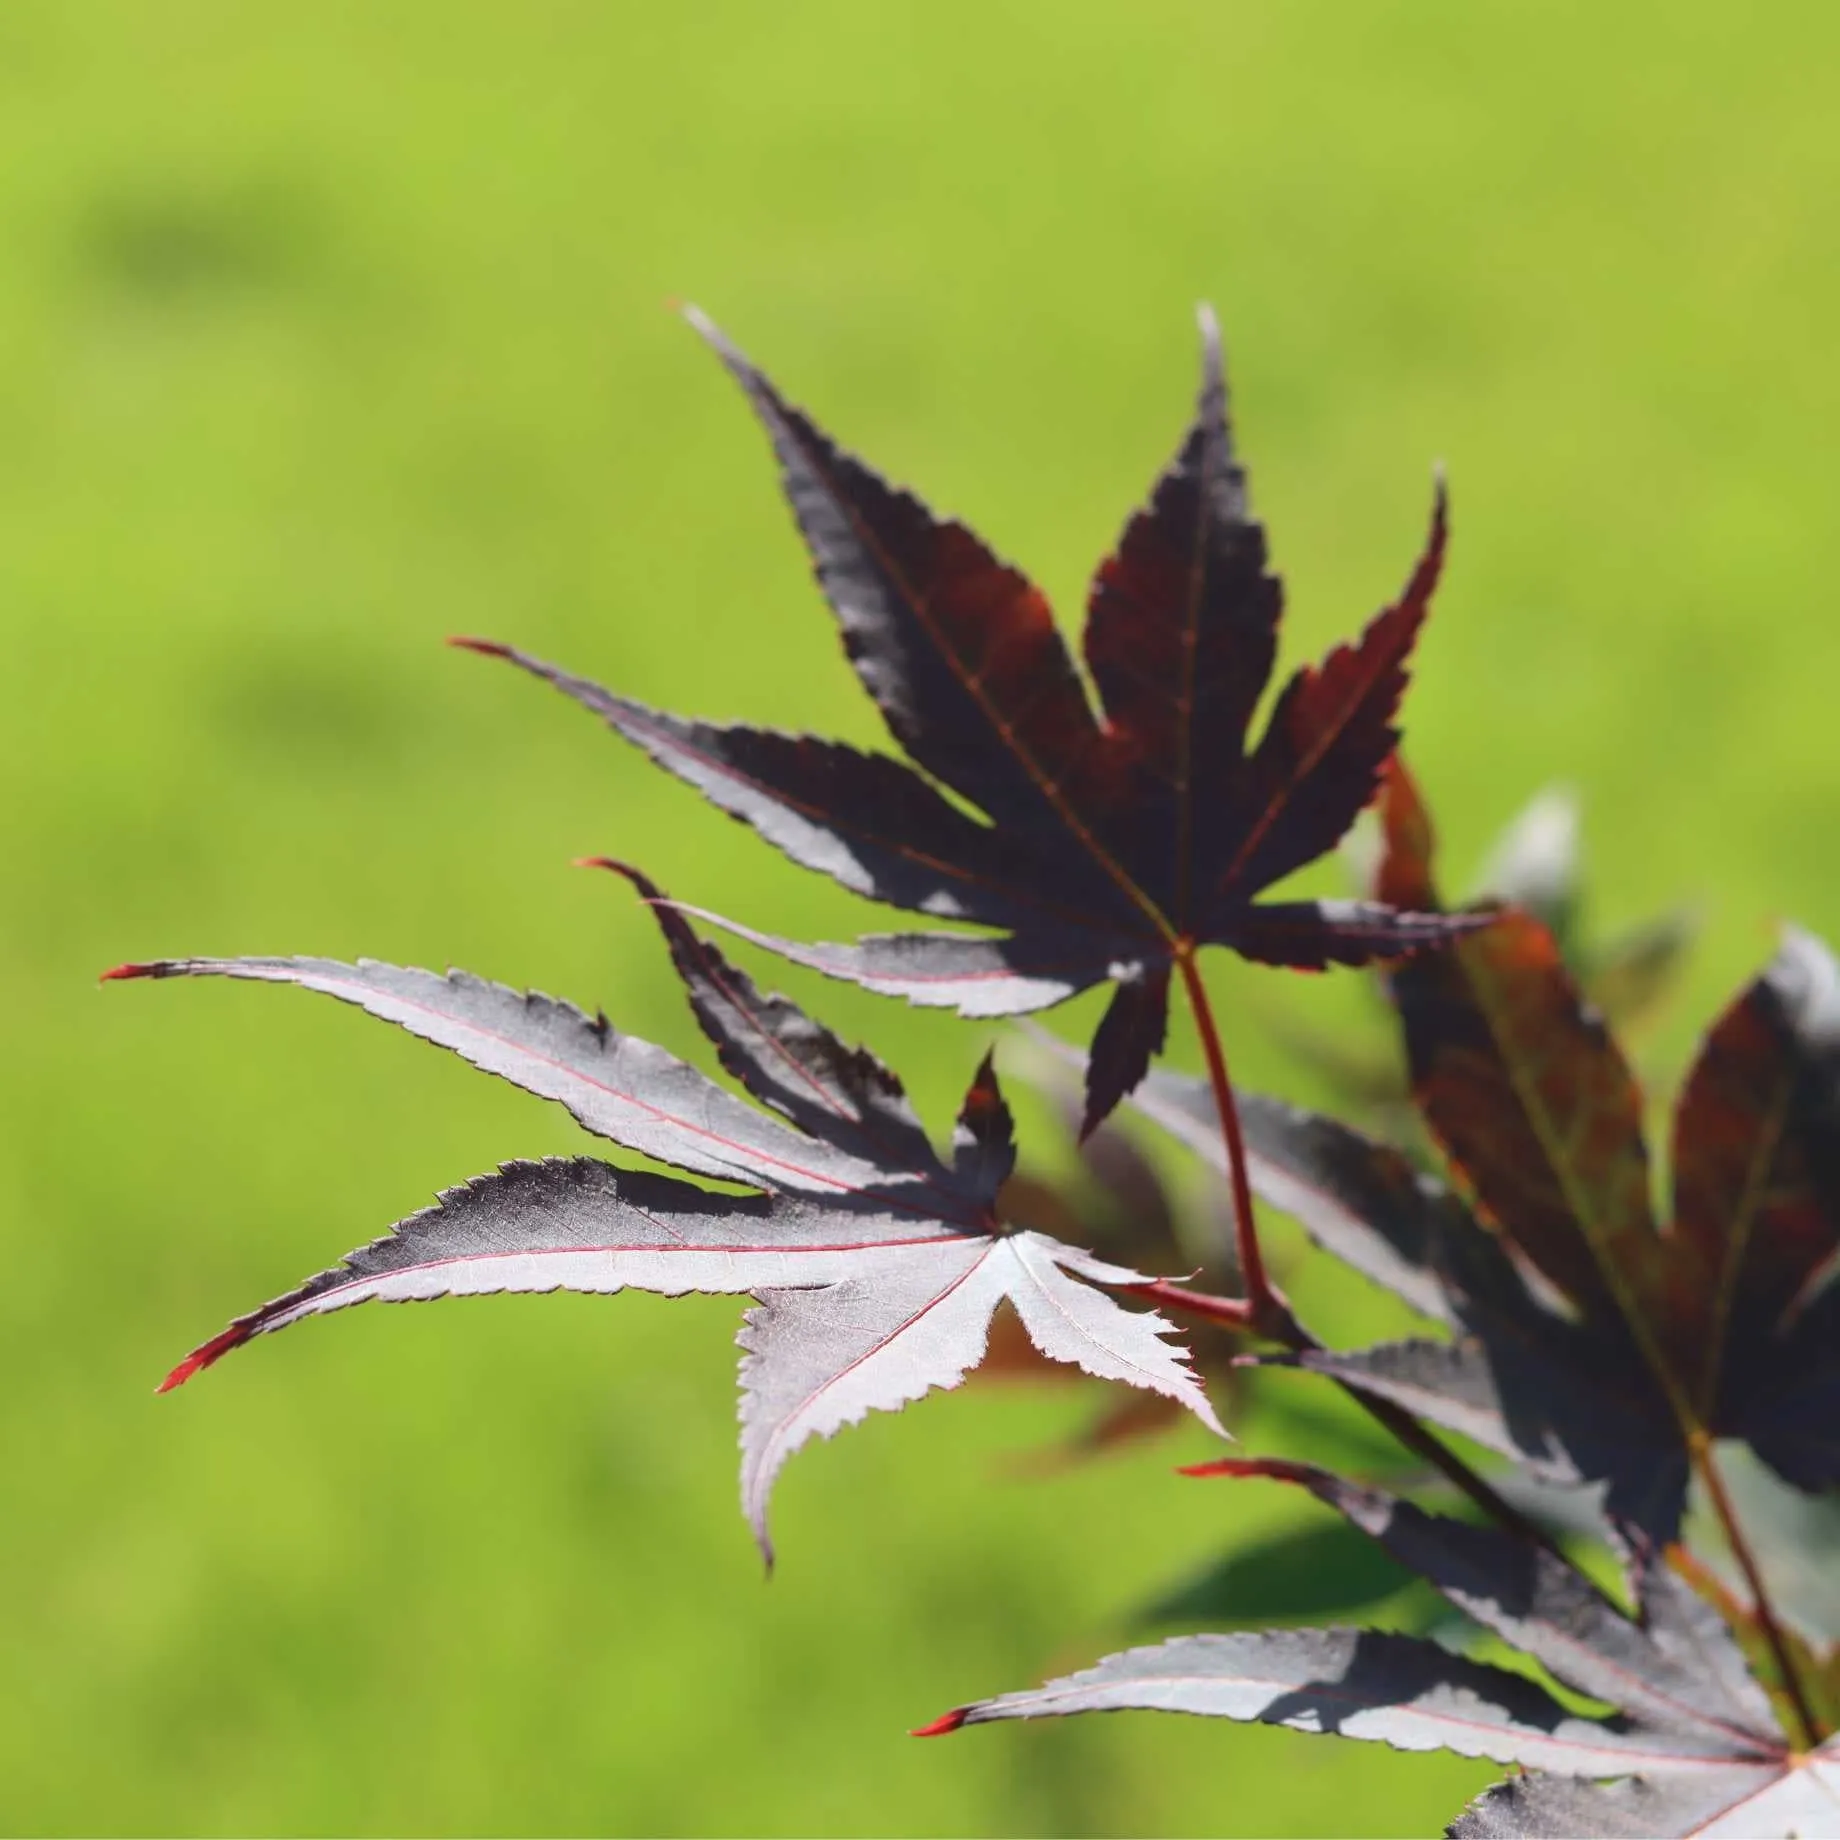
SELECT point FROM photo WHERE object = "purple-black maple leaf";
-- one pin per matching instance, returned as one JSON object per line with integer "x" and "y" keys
{"x": 1106, "y": 844}
{"x": 876, "y": 1264}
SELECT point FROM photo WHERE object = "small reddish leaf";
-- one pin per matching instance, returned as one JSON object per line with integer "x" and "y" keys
{"x": 1524, "y": 1090}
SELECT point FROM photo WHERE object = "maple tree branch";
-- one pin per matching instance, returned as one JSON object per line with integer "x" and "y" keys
{"x": 1708, "y": 1467}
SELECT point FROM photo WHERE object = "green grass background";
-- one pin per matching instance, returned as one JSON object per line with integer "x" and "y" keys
{"x": 327, "y": 330}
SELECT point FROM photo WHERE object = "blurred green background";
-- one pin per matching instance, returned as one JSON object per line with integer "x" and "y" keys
{"x": 332, "y": 329}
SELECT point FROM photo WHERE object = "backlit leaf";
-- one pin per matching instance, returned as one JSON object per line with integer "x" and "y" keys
{"x": 875, "y": 1264}
{"x": 1103, "y": 842}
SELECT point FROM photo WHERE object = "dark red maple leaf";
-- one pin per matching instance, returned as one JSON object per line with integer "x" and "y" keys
{"x": 1106, "y": 844}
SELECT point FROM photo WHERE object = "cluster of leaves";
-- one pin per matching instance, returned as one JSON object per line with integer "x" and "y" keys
{"x": 1585, "y": 1341}
{"x": 1572, "y": 1333}
{"x": 1694, "y": 1746}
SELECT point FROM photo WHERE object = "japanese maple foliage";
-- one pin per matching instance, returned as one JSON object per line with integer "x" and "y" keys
{"x": 1111, "y": 842}
{"x": 1600, "y": 1343}
{"x": 876, "y": 1264}
{"x": 1595, "y": 1343}
{"x": 1592, "y": 1342}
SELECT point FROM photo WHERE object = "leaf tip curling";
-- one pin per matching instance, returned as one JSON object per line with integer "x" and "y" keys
{"x": 613, "y": 864}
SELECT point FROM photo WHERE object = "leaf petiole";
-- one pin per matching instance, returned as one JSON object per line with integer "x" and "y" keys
{"x": 1265, "y": 1312}
{"x": 1231, "y": 1312}
{"x": 1707, "y": 1466}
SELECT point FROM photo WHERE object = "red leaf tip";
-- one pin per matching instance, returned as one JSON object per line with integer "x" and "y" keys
{"x": 152, "y": 968}
{"x": 1273, "y": 1469}
{"x": 649, "y": 891}
{"x": 487, "y": 648}
{"x": 940, "y": 1726}
{"x": 201, "y": 1358}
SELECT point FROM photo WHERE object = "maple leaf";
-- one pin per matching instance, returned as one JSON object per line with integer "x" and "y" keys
{"x": 1592, "y": 1342}
{"x": 1106, "y": 846}
{"x": 876, "y": 1264}
{"x": 1692, "y": 1747}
